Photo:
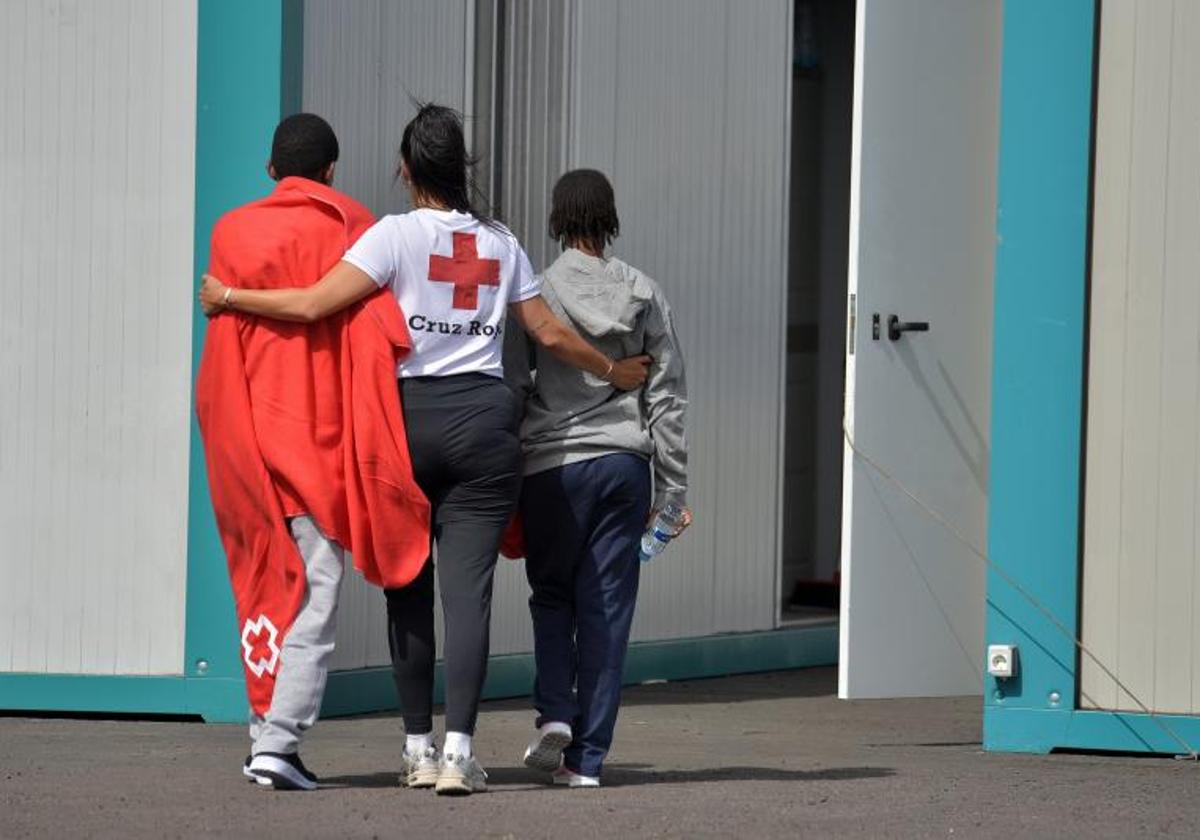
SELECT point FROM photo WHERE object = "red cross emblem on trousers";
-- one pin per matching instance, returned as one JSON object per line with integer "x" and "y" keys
{"x": 465, "y": 270}
{"x": 260, "y": 646}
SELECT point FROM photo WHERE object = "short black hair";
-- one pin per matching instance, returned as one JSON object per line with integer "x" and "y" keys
{"x": 304, "y": 146}
{"x": 584, "y": 209}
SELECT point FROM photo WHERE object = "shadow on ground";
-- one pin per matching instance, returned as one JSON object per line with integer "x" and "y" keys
{"x": 814, "y": 682}
{"x": 629, "y": 775}
{"x": 756, "y": 756}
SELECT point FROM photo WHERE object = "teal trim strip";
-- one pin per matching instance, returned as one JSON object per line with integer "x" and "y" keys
{"x": 1043, "y": 730}
{"x": 1038, "y": 378}
{"x": 223, "y": 699}
{"x": 214, "y": 699}
{"x": 240, "y": 92}
{"x": 371, "y": 690}
{"x": 740, "y": 653}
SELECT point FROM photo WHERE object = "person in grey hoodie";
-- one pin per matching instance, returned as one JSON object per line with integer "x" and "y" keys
{"x": 586, "y": 499}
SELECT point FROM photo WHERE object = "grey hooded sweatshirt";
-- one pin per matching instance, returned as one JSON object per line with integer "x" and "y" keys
{"x": 574, "y": 416}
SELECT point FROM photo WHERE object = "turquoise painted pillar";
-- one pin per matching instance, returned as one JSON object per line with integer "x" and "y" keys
{"x": 248, "y": 78}
{"x": 1038, "y": 379}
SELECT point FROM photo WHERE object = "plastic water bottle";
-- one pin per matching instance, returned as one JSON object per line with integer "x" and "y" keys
{"x": 667, "y": 525}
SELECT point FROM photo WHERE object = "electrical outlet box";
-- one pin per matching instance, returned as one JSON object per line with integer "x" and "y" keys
{"x": 1002, "y": 661}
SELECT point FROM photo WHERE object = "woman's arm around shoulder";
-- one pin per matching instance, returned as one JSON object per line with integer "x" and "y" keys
{"x": 369, "y": 264}
{"x": 541, "y": 324}
{"x": 342, "y": 286}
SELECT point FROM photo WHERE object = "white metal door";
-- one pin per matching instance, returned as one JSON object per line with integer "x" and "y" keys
{"x": 921, "y": 248}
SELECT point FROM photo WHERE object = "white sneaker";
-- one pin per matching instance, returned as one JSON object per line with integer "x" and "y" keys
{"x": 545, "y": 751}
{"x": 563, "y": 776}
{"x": 421, "y": 769}
{"x": 460, "y": 775}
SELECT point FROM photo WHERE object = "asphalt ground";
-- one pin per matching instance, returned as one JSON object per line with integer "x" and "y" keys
{"x": 770, "y": 755}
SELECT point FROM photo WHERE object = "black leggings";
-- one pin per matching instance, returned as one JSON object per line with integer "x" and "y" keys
{"x": 466, "y": 455}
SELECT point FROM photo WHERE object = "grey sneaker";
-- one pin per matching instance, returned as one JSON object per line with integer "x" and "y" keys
{"x": 421, "y": 769}
{"x": 460, "y": 776}
{"x": 545, "y": 751}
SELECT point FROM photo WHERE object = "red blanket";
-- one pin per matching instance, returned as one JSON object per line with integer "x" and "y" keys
{"x": 303, "y": 419}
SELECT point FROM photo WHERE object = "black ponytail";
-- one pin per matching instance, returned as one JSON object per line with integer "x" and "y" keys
{"x": 435, "y": 149}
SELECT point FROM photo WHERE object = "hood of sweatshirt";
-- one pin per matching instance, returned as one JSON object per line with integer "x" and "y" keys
{"x": 603, "y": 296}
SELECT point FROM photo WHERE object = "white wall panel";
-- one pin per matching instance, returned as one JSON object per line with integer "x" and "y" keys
{"x": 96, "y": 222}
{"x": 1141, "y": 591}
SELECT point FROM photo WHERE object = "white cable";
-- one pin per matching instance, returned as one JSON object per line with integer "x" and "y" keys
{"x": 1191, "y": 754}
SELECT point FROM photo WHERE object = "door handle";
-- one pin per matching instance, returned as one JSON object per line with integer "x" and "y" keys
{"x": 897, "y": 328}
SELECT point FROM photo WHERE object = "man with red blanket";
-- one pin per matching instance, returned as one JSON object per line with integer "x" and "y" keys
{"x": 305, "y": 444}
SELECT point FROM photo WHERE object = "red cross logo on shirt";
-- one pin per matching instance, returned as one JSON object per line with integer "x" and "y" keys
{"x": 465, "y": 270}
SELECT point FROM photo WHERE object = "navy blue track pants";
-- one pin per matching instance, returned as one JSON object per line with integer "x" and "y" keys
{"x": 583, "y": 523}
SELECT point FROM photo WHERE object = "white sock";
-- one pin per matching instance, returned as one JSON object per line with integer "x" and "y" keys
{"x": 417, "y": 744}
{"x": 458, "y": 743}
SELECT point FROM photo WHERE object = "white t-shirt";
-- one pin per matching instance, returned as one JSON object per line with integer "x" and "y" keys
{"x": 454, "y": 278}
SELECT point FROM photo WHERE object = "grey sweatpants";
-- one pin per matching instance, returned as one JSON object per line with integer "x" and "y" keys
{"x": 304, "y": 659}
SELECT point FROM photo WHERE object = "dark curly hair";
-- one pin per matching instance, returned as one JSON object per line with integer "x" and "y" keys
{"x": 584, "y": 210}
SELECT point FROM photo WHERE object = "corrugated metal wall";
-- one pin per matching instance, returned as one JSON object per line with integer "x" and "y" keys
{"x": 536, "y": 76}
{"x": 686, "y": 106}
{"x": 1141, "y": 594}
{"x": 531, "y": 154}
{"x": 365, "y": 63}
{"x": 97, "y": 151}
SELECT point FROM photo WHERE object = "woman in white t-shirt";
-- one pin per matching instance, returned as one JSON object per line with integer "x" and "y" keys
{"x": 456, "y": 276}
